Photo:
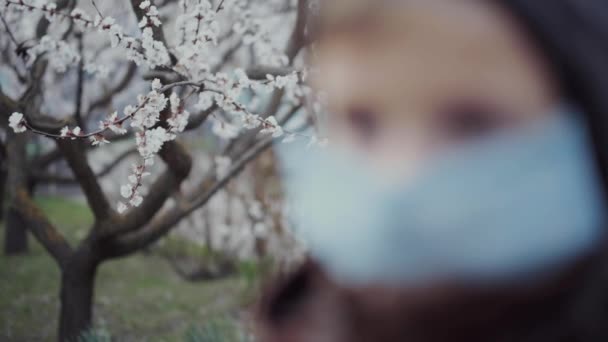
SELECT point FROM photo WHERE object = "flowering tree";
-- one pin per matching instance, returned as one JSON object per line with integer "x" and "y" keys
{"x": 229, "y": 67}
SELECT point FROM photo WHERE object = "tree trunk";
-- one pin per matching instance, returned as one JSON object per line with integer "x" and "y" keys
{"x": 77, "y": 287}
{"x": 15, "y": 235}
{"x": 3, "y": 175}
{"x": 15, "y": 241}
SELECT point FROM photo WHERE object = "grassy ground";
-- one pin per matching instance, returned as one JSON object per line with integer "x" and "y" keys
{"x": 138, "y": 298}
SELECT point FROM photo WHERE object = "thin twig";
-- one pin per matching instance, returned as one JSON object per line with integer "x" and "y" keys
{"x": 96, "y": 8}
{"x": 8, "y": 30}
{"x": 220, "y": 7}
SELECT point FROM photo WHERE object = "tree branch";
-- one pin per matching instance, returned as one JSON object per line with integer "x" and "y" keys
{"x": 179, "y": 164}
{"x": 161, "y": 225}
{"x": 79, "y": 86}
{"x": 75, "y": 155}
{"x": 108, "y": 96}
{"x": 42, "y": 229}
{"x": 45, "y": 177}
{"x": 197, "y": 120}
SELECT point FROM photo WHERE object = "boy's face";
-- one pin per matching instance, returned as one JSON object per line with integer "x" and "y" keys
{"x": 408, "y": 78}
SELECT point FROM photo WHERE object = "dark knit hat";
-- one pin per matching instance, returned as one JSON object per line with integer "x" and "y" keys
{"x": 573, "y": 34}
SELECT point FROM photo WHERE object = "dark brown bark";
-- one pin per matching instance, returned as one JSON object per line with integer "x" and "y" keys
{"x": 15, "y": 235}
{"x": 76, "y": 295}
{"x": 3, "y": 175}
{"x": 39, "y": 225}
{"x": 74, "y": 153}
{"x": 15, "y": 241}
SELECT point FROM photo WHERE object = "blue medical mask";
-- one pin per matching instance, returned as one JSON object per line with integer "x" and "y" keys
{"x": 502, "y": 208}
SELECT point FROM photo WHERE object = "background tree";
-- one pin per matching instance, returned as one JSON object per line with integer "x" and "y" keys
{"x": 56, "y": 89}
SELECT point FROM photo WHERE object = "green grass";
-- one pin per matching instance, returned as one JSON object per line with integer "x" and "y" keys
{"x": 138, "y": 298}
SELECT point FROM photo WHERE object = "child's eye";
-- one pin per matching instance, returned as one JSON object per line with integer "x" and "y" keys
{"x": 364, "y": 122}
{"x": 464, "y": 121}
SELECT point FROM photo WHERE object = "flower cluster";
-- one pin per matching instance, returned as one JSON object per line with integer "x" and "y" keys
{"x": 112, "y": 123}
{"x": 199, "y": 32}
{"x": 59, "y": 53}
{"x": 280, "y": 82}
{"x": 73, "y": 133}
{"x": 179, "y": 115}
{"x": 149, "y": 138}
{"x": 108, "y": 25}
{"x": 196, "y": 28}
{"x": 197, "y": 24}
{"x": 155, "y": 52}
{"x": 131, "y": 191}
{"x": 147, "y": 112}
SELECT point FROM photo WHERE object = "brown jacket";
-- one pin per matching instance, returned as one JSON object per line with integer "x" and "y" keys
{"x": 308, "y": 306}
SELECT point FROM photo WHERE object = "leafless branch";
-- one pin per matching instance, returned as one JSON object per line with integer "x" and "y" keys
{"x": 8, "y": 30}
{"x": 44, "y": 231}
{"x": 45, "y": 177}
{"x": 120, "y": 86}
{"x": 126, "y": 244}
{"x": 75, "y": 155}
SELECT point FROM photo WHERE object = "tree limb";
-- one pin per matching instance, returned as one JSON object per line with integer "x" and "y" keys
{"x": 162, "y": 224}
{"x": 109, "y": 95}
{"x": 42, "y": 229}
{"x": 179, "y": 164}
{"x": 45, "y": 177}
{"x": 75, "y": 155}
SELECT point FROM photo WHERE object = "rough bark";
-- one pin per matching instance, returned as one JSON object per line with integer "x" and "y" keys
{"x": 15, "y": 241}
{"x": 3, "y": 175}
{"x": 76, "y": 295}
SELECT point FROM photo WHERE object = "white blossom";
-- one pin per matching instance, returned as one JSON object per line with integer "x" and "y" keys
{"x": 252, "y": 121}
{"x": 151, "y": 141}
{"x": 271, "y": 126}
{"x": 65, "y": 131}
{"x": 59, "y": 53}
{"x": 155, "y": 52}
{"x": 50, "y": 11}
{"x": 156, "y": 84}
{"x": 109, "y": 26}
{"x": 179, "y": 116}
{"x": 126, "y": 191}
{"x": 81, "y": 19}
{"x": 76, "y": 131}
{"x": 149, "y": 110}
{"x": 205, "y": 101}
{"x": 98, "y": 140}
{"x": 137, "y": 200}
{"x": 200, "y": 57}
{"x": 113, "y": 124}
{"x": 144, "y": 4}
{"x": 17, "y": 122}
